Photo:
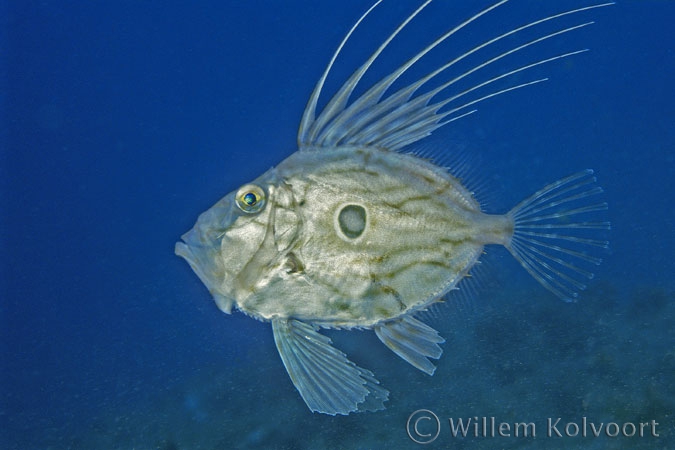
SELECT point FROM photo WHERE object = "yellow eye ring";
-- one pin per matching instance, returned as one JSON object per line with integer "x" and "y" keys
{"x": 251, "y": 198}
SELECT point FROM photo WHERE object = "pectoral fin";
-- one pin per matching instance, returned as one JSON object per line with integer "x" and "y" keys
{"x": 413, "y": 341}
{"x": 328, "y": 382}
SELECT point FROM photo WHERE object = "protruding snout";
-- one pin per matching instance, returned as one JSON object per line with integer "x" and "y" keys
{"x": 202, "y": 249}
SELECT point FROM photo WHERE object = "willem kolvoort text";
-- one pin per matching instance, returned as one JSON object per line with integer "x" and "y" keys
{"x": 554, "y": 427}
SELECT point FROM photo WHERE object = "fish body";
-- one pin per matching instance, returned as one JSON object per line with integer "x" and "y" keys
{"x": 323, "y": 268}
{"x": 351, "y": 232}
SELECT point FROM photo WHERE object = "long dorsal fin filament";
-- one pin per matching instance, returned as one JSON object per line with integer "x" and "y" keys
{"x": 401, "y": 118}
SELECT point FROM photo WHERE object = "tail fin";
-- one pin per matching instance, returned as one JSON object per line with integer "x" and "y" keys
{"x": 555, "y": 231}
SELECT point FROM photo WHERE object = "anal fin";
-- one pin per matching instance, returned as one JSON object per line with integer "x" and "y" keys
{"x": 328, "y": 382}
{"x": 412, "y": 340}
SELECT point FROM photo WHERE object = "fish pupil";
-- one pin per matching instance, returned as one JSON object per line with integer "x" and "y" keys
{"x": 250, "y": 199}
{"x": 352, "y": 220}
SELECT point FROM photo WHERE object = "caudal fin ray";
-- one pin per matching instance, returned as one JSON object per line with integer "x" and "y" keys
{"x": 535, "y": 209}
{"x": 558, "y": 232}
{"x": 556, "y": 281}
{"x": 585, "y": 225}
{"x": 586, "y": 209}
{"x": 531, "y": 246}
{"x": 556, "y": 194}
{"x": 579, "y": 240}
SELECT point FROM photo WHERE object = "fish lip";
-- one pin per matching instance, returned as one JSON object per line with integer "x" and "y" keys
{"x": 201, "y": 247}
{"x": 224, "y": 303}
{"x": 198, "y": 257}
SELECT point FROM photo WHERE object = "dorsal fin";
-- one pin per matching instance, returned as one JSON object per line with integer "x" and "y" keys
{"x": 309, "y": 126}
{"x": 401, "y": 118}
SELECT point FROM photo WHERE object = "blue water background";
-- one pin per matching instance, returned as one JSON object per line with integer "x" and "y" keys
{"x": 122, "y": 121}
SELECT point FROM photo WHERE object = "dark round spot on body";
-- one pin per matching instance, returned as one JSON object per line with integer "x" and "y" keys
{"x": 352, "y": 220}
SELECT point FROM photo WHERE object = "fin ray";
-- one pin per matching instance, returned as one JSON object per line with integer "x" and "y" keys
{"x": 399, "y": 119}
{"x": 560, "y": 257}
{"x": 412, "y": 340}
{"x": 327, "y": 381}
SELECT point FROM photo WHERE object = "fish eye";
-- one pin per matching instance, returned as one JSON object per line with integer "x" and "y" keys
{"x": 250, "y": 199}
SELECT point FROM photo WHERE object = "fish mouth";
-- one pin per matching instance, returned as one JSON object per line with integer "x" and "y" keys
{"x": 201, "y": 248}
{"x": 204, "y": 262}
